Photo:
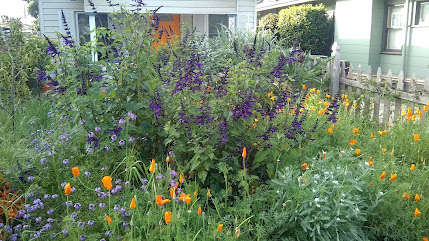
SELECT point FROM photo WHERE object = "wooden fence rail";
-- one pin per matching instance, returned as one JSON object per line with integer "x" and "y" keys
{"x": 382, "y": 97}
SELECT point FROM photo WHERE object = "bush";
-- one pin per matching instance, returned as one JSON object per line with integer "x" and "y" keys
{"x": 311, "y": 24}
{"x": 269, "y": 22}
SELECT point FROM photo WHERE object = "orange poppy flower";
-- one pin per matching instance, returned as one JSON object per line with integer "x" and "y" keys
{"x": 133, "y": 203}
{"x": 383, "y": 149}
{"x": 304, "y": 87}
{"x": 167, "y": 159}
{"x": 330, "y": 131}
{"x": 172, "y": 193}
{"x": 426, "y": 108}
{"x": 304, "y": 166}
{"x": 109, "y": 220}
{"x": 67, "y": 189}
{"x": 208, "y": 193}
{"x": 199, "y": 211}
{"x": 188, "y": 200}
{"x": 167, "y": 217}
{"x": 107, "y": 182}
{"x": 425, "y": 238}
{"x": 417, "y": 197}
{"x": 355, "y": 131}
{"x": 219, "y": 228}
{"x": 181, "y": 178}
{"x": 393, "y": 177}
{"x": 382, "y": 132}
{"x": 357, "y": 151}
{"x": 417, "y": 212}
{"x": 416, "y": 137}
{"x": 75, "y": 171}
{"x": 324, "y": 155}
{"x": 160, "y": 201}
{"x": 372, "y": 135}
{"x": 196, "y": 193}
{"x": 412, "y": 167}
{"x": 254, "y": 125}
{"x": 370, "y": 163}
{"x": 152, "y": 166}
{"x": 244, "y": 153}
{"x": 383, "y": 175}
{"x": 104, "y": 91}
{"x": 370, "y": 184}
{"x": 352, "y": 142}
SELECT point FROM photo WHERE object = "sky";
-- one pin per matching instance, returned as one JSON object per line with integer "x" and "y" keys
{"x": 15, "y": 8}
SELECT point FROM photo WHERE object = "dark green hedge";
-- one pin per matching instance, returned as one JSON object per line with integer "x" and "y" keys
{"x": 311, "y": 24}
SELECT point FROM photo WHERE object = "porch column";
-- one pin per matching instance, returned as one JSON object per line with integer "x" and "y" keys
{"x": 92, "y": 36}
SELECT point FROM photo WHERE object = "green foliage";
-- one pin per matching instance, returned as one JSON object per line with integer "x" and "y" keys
{"x": 269, "y": 22}
{"x": 311, "y": 24}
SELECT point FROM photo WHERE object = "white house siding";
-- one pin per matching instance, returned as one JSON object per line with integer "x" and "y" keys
{"x": 174, "y": 6}
{"x": 246, "y": 14}
{"x": 50, "y": 15}
{"x": 271, "y": 4}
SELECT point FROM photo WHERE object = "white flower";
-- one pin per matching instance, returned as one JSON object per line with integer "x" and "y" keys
{"x": 335, "y": 182}
{"x": 316, "y": 200}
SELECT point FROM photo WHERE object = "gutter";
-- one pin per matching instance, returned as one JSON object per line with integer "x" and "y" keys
{"x": 407, "y": 36}
{"x": 280, "y": 4}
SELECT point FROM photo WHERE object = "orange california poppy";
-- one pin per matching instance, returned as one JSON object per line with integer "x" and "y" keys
{"x": 167, "y": 159}
{"x": 181, "y": 178}
{"x": 355, "y": 131}
{"x": 324, "y": 155}
{"x": 219, "y": 228}
{"x": 426, "y": 108}
{"x": 208, "y": 193}
{"x": 75, "y": 171}
{"x": 152, "y": 166}
{"x": 107, "y": 182}
{"x": 160, "y": 201}
{"x": 196, "y": 193}
{"x": 372, "y": 135}
{"x": 417, "y": 212}
{"x": 357, "y": 151}
{"x": 108, "y": 219}
{"x": 199, "y": 211}
{"x": 352, "y": 142}
{"x": 416, "y": 137}
{"x": 104, "y": 91}
{"x": 330, "y": 130}
{"x": 304, "y": 166}
{"x": 167, "y": 217}
{"x": 383, "y": 175}
{"x": 133, "y": 203}
{"x": 244, "y": 153}
{"x": 369, "y": 163}
{"x": 382, "y": 132}
{"x": 188, "y": 200}
{"x": 304, "y": 87}
{"x": 412, "y": 167}
{"x": 417, "y": 197}
{"x": 172, "y": 193}
{"x": 425, "y": 238}
{"x": 67, "y": 189}
{"x": 383, "y": 149}
{"x": 393, "y": 177}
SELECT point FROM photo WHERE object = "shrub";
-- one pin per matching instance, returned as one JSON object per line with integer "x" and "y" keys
{"x": 269, "y": 22}
{"x": 311, "y": 24}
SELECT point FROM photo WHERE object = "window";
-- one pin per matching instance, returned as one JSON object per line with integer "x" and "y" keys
{"x": 215, "y": 23}
{"x": 395, "y": 28}
{"x": 422, "y": 13}
{"x": 83, "y": 30}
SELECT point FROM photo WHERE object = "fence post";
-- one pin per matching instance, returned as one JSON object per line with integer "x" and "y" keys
{"x": 334, "y": 86}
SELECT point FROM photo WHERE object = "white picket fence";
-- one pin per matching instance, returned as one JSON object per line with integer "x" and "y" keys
{"x": 385, "y": 97}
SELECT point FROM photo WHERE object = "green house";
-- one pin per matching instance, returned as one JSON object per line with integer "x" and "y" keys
{"x": 391, "y": 34}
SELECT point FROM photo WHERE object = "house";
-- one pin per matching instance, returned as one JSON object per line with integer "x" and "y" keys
{"x": 206, "y": 16}
{"x": 391, "y": 34}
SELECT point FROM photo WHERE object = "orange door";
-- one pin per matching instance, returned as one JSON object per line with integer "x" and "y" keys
{"x": 169, "y": 23}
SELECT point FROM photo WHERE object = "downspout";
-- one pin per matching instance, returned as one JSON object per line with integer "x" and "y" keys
{"x": 407, "y": 36}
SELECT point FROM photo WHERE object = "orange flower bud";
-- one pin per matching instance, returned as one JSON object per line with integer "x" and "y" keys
{"x": 416, "y": 137}
{"x": 167, "y": 217}
{"x": 417, "y": 197}
{"x": 355, "y": 131}
{"x": 199, "y": 211}
{"x": 133, "y": 203}
{"x": 304, "y": 166}
{"x": 330, "y": 130}
{"x": 383, "y": 175}
{"x": 152, "y": 166}
{"x": 196, "y": 193}
{"x": 219, "y": 228}
{"x": 109, "y": 220}
{"x": 417, "y": 212}
{"x": 244, "y": 153}
{"x": 67, "y": 189}
{"x": 107, "y": 182}
{"x": 181, "y": 178}
{"x": 75, "y": 171}
{"x": 208, "y": 193}
{"x": 357, "y": 151}
{"x": 412, "y": 167}
{"x": 167, "y": 159}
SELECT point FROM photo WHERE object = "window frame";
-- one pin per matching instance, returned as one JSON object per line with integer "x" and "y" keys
{"x": 77, "y": 29}
{"x": 417, "y": 8}
{"x": 388, "y": 28}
